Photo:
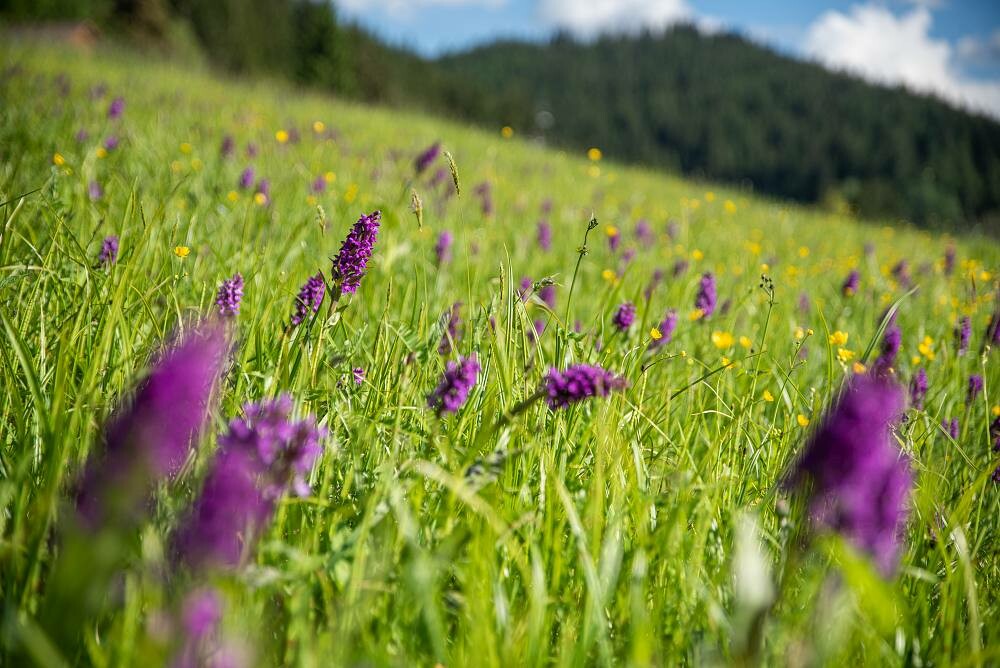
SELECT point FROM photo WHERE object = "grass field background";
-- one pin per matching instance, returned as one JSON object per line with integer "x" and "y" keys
{"x": 610, "y": 532}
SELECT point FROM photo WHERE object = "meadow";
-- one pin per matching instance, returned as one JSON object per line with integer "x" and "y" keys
{"x": 659, "y": 522}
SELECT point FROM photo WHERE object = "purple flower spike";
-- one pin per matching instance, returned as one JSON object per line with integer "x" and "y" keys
{"x": 359, "y": 375}
{"x": 975, "y": 387}
{"x": 95, "y": 191}
{"x": 149, "y": 438}
{"x": 579, "y": 382}
{"x": 643, "y": 232}
{"x": 111, "y": 143}
{"x": 707, "y": 296}
{"x": 654, "y": 282}
{"x": 993, "y": 329}
{"x": 484, "y": 191}
{"x": 116, "y": 108}
{"x": 851, "y": 284}
{"x": 262, "y": 457}
{"x": 82, "y": 135}
{"x": 666, "y": 329}
{"x": 891, "y": 341}
{"x": 309, "y": 299}
{"x": 624, "y": 317}
{"x": 228, "y": 146}
{"x": 614, "y": 239}
{"x": 426, "y": 158}
{"x": 319, "y": 185}
{"x": 202, "y": 613}
{"x": 544, "y": 235}
{"x": 547, "y": 293}
{"x": 246, "y": 179}
{"x": 901, "y": 272}
{"x": 951, "y": 428}
{"x": 453, "y": 329}
{"x": 229, "y": 296}
{"x": 351, "y": 262}
{"x": 442, "y": 248}
{"x": 109, "y": 251}
{"x": 525, "y": 287}
{"x": 859, "y": 480}
{"x": 918, "y": 389}
{"x": 453, "y": 390}
{"x": 805, "y": 305}
{"x": 949, "y": 260}
{"x": 963, "y": 333}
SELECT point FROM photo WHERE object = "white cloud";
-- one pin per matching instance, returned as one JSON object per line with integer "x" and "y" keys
{"x": 872, "y": 41}
{"x": 978, "y": 50}
{"x": 588, "y": 18}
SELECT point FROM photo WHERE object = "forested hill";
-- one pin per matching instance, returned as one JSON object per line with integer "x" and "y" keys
{"x": 721, "y": 107}
{"x": 713, "y": 106}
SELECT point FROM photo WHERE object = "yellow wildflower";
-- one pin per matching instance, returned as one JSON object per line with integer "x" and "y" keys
{"x": 800, "y": 333}
{"x": 845, "y": 355}
{"x": 696, "y": 314}
{"x": 506, "y": 132}
{"x": 729, "y": 206}
{"x": 329, "y": 177}
{"x": 182, "y": 251}
{"x": 233, "y": 196}
{"x": 802, "y": 420}
{"x": 594, "y": 154}
{"x": 745, "y": 342}
{"x": 697, "y": 255}
{"x": 281, "y": 136}
{"x": 722, "y": 340}
{"x": 102, "y": 152}
{"x": 186, "y": 147}
{"x": 803, "y": 251}
{"x": 709, "y": 196}
{"x": 655, "y": 334}
{"x": 611, "y": 231}
{"x": 58, "y": 160}
{"x": 858, "y": 368}
{"x": 768, "y": 397}
{"x": 838, "y": 338}
{"x": 351, "y": 193}
{"x": 260, "y": 199}
{"x": 926, "y": 348}
{"x": 319, "y": 126}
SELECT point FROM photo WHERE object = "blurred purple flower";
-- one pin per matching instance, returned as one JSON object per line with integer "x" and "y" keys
{"x": 579, "y": 382}
{"x": 951, "y": 428}
{"x": 109, "y": 251}
{"x": 851, "y": 284}
{"x": 963, "y": 333}
{"x": 111, "y": 143}
{"x": 442, "y": 248}
{"x": 149, "y": 438}
{"x": 246, "y": 178}
{"x": 524, "y": 290}
{"x": 891, "y": 341}
{"x": 319, "y": 185}
{"x": 643, "y": 232}
{"x": 805, "y": 305}
{"x": 452, "y": 331}
{"x": 706, "y": 299}
{"x": 544, "y": 235}
{"x": 228, "y": 146}
{"x": 975, "y": 387}
{"x": 858, "y": 480}
{"x": 654, "y": 282}
{"x": 666, "y": 329}
{"x": 359, "y": 375}
{"x": 82, "y": 135}
{"x": 547, "y": 293}
{"x": 261, "y": 457}
{"x": 624, "y": 316}
{"x": 614, "y": 239}
{"x": 901, "y": 272}
{"x": 426, "y": 157}
{"x": 453, "y": 390}
{"x": 95, "y": 191}
{"x": 680, "y": 266}
{"x": 918, "y": 389}
{"x": 116, "y": 108}
{"x": 949, "y": 260}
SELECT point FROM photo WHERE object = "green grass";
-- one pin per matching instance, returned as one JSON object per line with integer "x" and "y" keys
{"x": 608, "y": 534}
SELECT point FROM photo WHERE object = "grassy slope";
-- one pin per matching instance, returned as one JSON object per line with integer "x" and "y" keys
{"x": 609, "y": 533}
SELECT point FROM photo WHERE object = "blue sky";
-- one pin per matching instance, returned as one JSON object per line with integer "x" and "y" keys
{"x": 949, "y": 47}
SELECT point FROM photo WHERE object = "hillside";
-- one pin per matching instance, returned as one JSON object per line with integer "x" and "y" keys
{"x": 708, "y": 106}
{"x": 445, "y": 483}
{"x": 722, "y": 107}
